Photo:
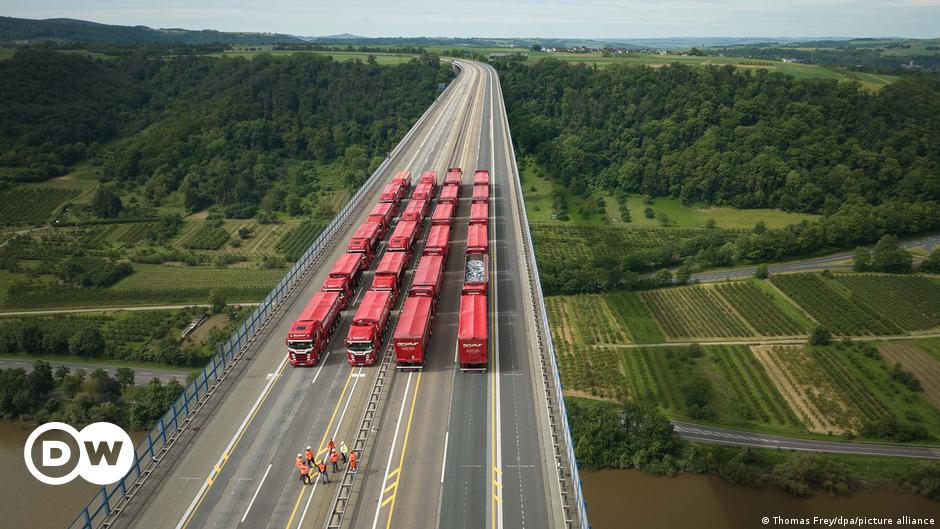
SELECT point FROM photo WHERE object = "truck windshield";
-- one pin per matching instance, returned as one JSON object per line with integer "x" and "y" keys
{"x": 359, "y": 347}
{"x": 300, "y": 345}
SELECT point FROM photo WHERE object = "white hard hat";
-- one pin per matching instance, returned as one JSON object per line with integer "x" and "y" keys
{"x": 298, "y": 455}
{"x": 308, "y": 448}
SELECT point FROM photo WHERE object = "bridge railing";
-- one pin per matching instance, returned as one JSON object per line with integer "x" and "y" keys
{"x": 111, "y": 499}
{"x": 547, "y": 352}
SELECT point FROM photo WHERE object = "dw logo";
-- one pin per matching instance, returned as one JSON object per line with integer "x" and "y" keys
{"x": 101, "y": 453}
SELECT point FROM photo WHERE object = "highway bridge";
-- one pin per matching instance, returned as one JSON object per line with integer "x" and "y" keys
{"x": 439, "y": 447}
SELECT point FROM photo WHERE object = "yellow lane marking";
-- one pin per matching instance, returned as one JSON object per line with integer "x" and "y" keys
{"x": 388, "y": 488}
{"x": 329, "y": 428}
{"x": 392, "y": 473}
{"x": 390, "y": 498}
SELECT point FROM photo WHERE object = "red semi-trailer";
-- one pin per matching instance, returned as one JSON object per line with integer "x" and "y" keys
{"x": 443, "y": 214}
{"x": 349, "y": 266}
{"x": 365, "y": 241}
{"x": 428, "y": 278}
{"x": 403, "y": 238}
{"x": 481, "y": 178}
{"x": 450, "y": 193}
{"x": 412, "y": 333}
{"x": 438, "y": 242}
{"x": 383, "y": 213}
{"x": 472, "y": 338}
{"x": 388, "y": 274}
{"x": 402, "y": 178}
{"x": 310, "y": 333}
{"x": 423, "y": 191}
{"x": 476, "y": 277}
{"x": 428, "y": 177}
{"x": 477, "y": 239}
{"x": 340, "y": 285}
{"x": 453, "y": 176}
{"x": 479, "y": 213}
{"x": 481, "y": 194}
{"x": 416, "y": 210}
{"x": 392, "y": 193}
{"x": 365, "y": 333}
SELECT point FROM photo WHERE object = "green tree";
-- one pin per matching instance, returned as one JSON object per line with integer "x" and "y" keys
{"x": 649, "y": 213}
{"x": 124, "y": 376}
{"x": 663, "y": 219}
{"x": 932, "y": 263}
{"x": 106, "y": 204}
{"x": 760, "y": 228}
{"x": 663, "y": 278}
{"x": 217, "y": 301}
{"x": 683, "y": 274}
{"x": 40, "y": 380}
{"x": 87, "y": 343}
{"x": 536, "y": 47}
{"x": 888, "y": 256}
{"x": 861, "y": 260}
{"x": 820, "y": 336}
{"x": 761, "y": 272}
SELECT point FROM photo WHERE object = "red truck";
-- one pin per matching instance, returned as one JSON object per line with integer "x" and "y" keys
{"x": 438, "y": 242}
{"x": 310, "y": 333}
{"x": 428, "y": 177}
{"x": 365, "y": 241}
{"x": 392, "y": 193}
{"x": 443, "y": 214}
{"x": 402, "y": 178}
{"x": 481, "y": 194}
{"x": 477, "y": 239}
{"x": 479, "y": 213}
{"x": 428, "y": 278}
{"x": 476, "y": 277}
{"x": 383, "y": 213}
{"x": 341, "y": 286}
{"x": 450, "y": 193}
{"x": 348, "y": 266}
{"x": 389, "y": 273}
{"x": 453, "y": 176}
{"x": 423, "y": 191}
{"x": 481, "y": 178}
{"x": 416, "y": 210}
{"x": 413, "y": 332}
{"x": 472, "y": 338}
{"x": 403, "y": 238}
{"x": 368, "y": 325}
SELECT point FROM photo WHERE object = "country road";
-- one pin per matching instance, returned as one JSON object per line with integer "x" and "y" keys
{"x": 142, "y": 375}
{"x": 111, "y": 309}
{"x": 712, "y": 434}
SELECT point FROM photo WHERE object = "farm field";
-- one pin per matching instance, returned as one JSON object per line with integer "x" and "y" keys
{"x": 31, "y": 205}
{"x": 150, "y": 285}
{"x": 830, "y": 308}
{"x": 762, "y": 310}
{"x": 848, "y": 389}
{"x": 910, "y": 302}
{"x": 920, "y": 363}
{"x": 685, "y": 313}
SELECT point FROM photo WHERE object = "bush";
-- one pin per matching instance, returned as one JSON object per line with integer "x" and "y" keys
{"x": 87, "y": 343}
{"x": 761, "y": 272}
{"x": 905, "y": 377}
{"x": 88, "y": 271}
{"x": 803, "y": 472}
{"x": 820, "y": 336}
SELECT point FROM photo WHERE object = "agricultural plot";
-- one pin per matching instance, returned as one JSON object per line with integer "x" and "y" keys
{"x": 30, "y": 205}
{"x": 745, "y": 388}
{"x": 204, "y": 237}
{"x": 635, "y": 317}
{"x": 694, "y": 312}
{"x": 296, "y": 242}
{"x": 910, "y": 302}
{"x": 761, "y": 310}
{"x": 924, "y": 367}
{"x": 125, "y": 234}
{"x": 585, "y": 319}
{"x": 831, "y": 309}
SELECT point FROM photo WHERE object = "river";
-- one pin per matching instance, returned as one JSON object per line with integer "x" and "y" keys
{"x": 619, "y": 499}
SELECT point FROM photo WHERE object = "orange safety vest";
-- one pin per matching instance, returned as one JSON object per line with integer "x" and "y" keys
{"x": 309, "y": 454}
{"x": 304, "y": 470}
{"x": 299, "y": 463}
{"x": 334, "y": 457}
{"x": 352, "y": 460}
{"x": 331, "y": 445}
{"x": 321, "y": 467}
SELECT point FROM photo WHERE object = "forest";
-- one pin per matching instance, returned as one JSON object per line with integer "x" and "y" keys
{"x": 225, "y": 132}
{"x": 726, "y": 136}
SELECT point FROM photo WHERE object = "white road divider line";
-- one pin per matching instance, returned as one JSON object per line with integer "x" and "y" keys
{"x": 252, "y": 502}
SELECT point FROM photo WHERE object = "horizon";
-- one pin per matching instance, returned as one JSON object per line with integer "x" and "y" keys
{"x": 523, "y": 19}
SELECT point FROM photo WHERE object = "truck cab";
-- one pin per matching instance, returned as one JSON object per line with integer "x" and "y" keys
{"x": 364, "y": 340}
{"x": 340, "y": 285}
{"x": 402, "y": 178}
{"x": 416, "y": 210}
{"x": 438, "y": 242}
{"x": 443, "y": 214}
{"x": 453, "y": 176}
{"x": 392, "y": 193}
{"x": 389, "y": 273}
{"x": 309, "y": 335}
{"x": 383, "y": 213}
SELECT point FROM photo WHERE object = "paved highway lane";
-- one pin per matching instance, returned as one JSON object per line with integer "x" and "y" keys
{"x": 711, "y": 434}
{"x": 271, "y": 411}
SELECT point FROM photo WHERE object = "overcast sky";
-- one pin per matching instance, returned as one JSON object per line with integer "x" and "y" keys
{"x": 511, "y": 18}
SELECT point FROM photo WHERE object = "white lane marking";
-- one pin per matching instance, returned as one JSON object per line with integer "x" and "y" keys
{"x": 322, "y": 363}
{"x": 391, "y": 453}
{"x": 241, "y": 428}
{"x": 444, "y": 464}
{"x": 498, "y": 418}
{"x": 356, "y": 377}
{"x": 252, "y": 502}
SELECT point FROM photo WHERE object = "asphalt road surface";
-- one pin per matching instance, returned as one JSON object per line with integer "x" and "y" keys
{"x": 142, "y": 375}
{"x": 711, "y": 434}
{"x": 450, "y": 449}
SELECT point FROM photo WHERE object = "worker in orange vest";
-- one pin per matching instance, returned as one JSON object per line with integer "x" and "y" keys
{"x": 299, "y": 461}
{"x": 308, "y": 453}
{"x": 321, "y": 466}
{"x": 330, "y": 446}
{"x": 352, "y": 460}
{"x": 304, "y": 474}
{"x": 334, "y": 458}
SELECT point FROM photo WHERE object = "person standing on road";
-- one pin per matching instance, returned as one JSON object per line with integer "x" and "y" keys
{"x": 321, "y": 466}
{"x": 308, "y": 453}
{"x": 352, "y": 461}
{"x": 330, "y": 446}
{"x": 299, "y": 461}
{"x": 304, "y": 474}
{"x": 344, "y": 451}
{"x": 334, "y": 458}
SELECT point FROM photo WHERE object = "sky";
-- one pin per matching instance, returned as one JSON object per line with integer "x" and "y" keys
{"x": 511, "y": 18}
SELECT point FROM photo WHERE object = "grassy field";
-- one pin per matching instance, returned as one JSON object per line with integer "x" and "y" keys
{"x": 380, "y": 58}
{"x": 31, "y": 205}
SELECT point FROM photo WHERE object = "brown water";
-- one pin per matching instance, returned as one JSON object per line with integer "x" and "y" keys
{"x": 636, "y": 500}
{"x": 24, "y": 501}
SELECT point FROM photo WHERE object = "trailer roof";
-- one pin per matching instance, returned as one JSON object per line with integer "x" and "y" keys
{"x": 367, "y": 230}
{"x": 479, "y": 210}
{"x": 477, "y": 236}
{"x": 317, "y": 309}
{"x": 438, "y": 237}
{"x": 414, "y": 206}
{"x": 391, "y": 263}
{"x": 382, "y": 208}
{"x": 428, "y": 176}
{"x": 450, "y": 191}
{"x": 405, "y": 228}
{"x": 472, "y": 323}
{"x": 347, "y": 264}
{"x": 373, "y": 305}
{"x": 443, "y": 210}
{"x": 391, "y": 188}
{"x": 414, "y": 317}
{"x": 481, "y": 191}
{"x": 430, "y": 268}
